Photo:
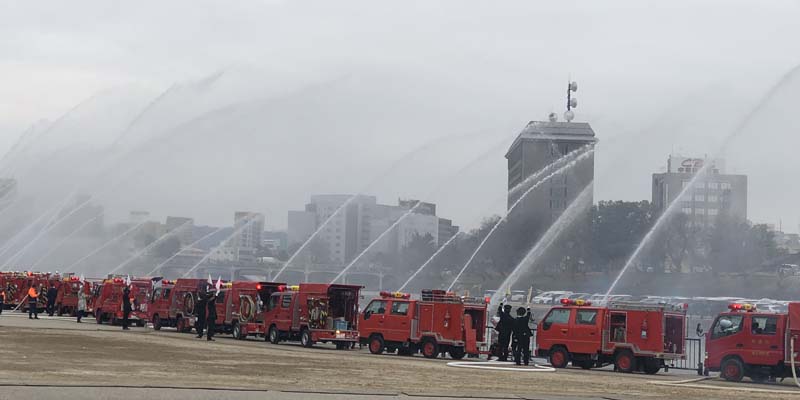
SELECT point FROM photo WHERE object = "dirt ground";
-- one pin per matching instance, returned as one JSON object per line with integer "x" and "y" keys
{"x": 57, "y": 351}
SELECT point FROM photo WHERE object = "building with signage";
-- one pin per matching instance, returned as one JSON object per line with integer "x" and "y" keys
{"x": 714, "y": 193}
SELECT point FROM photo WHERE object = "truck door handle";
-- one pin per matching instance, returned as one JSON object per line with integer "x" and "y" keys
{"x": 775, "y": 347}
{"x": 739, "y": 345}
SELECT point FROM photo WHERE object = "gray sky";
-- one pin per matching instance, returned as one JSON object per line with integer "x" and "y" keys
{"x": 256, "y": 105}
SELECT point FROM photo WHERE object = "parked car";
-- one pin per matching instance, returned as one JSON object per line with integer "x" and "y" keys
{"x": 551, "y": 297}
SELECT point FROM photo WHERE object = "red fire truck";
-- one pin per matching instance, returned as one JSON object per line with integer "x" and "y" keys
{"x": 182, "y": 297}
{"x": 108, "y": 299}
{"x": 313, "y": 312}
{"x": 632, "y": 336}
{"x": 67, "y": 299}
{"x": 439, "y": 322}
{"x": 240, "y": 307}
{"x": 759, "y": 345}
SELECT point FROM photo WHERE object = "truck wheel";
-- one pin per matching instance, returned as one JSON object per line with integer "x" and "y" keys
{"x": 273, "y": 335}
{"x": 457, "y": 352}
{"x": 376, "y": 344}
{"x": 559, "y": 358}
{"x": 430, "y": 349}
{"x": 98, "y": 316}
{"x": 237, "y": 331}
{"x": 305, "y": 338}
{"x": 156, "y": 322}
{"x": 732, "y": 370}
{"x": 624, "y": 361}
{"x": 651, "y": 366}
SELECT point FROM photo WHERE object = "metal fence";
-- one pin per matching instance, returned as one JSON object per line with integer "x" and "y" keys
{"x": 694, "y": 356}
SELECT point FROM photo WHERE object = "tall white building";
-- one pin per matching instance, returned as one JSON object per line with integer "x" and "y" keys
{"x": 247, "y": 241}
{"x": 354, "y": 226}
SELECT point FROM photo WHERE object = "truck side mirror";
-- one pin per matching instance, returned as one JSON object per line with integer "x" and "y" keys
{"x": 699, "y": 330}
{"x": 546, "y": 325}
{"x": 367, "y": 314}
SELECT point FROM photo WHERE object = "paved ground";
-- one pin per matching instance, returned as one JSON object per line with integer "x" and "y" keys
{"x": 59, "y": 357}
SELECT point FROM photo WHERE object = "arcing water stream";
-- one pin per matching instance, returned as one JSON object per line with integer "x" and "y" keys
{"x": 562, "y": 169}
{"x": 489, "y": 152}
{"x": 565, "y": 220}
{"x": 673, "y": 206}
{"x": 374, "y": 181}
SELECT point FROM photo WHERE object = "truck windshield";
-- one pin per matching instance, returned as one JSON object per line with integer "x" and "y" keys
{"x": 726, "y": 325}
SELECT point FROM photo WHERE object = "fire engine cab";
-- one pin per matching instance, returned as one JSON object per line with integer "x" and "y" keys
{"x": 313, "y": 312}
{"x": 439, "y": 322}
{"x": 159, "y": 303}
{"x": 745, "y": 342}
{"x": 632, "y": 336}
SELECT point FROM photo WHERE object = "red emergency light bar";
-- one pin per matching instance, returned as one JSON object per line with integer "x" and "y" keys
{"x": 742, "y": 307}
{"x": 258, "y": 286}
{"x": 579, "y": 302}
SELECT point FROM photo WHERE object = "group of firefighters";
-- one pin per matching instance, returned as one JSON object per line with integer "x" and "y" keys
{"x": 518, "y": 326}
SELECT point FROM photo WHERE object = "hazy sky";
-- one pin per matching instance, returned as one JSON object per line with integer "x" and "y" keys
{"x": 219, "y": 106}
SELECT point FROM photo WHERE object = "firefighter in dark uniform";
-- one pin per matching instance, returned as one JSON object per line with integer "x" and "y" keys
{"x": 126, "y": 307}
{"x": 504, "y": 328}
{"x": 52, "y": 293}
{"x": 200, "y": 311}
{"x": 522, "y": 336}
{"x": 211, "y": 317}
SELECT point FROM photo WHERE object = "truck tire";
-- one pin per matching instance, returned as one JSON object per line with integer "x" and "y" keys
{"x": 732, "y": 370}
{"x": 305, "y": 338}
{"x": 376, "y": 344}
{"x": 273, "y": 336}
{"x": 430, "y": 349}
{"x": 237, "y": 331}
{"x": 624, "y": 361}
{"x": 456, "y": 352}
{"x": 98, "y": 316}
{"x": 652, "y": 366}
{"x": 156, "y": 322}
{"x": 559, "y": 357}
